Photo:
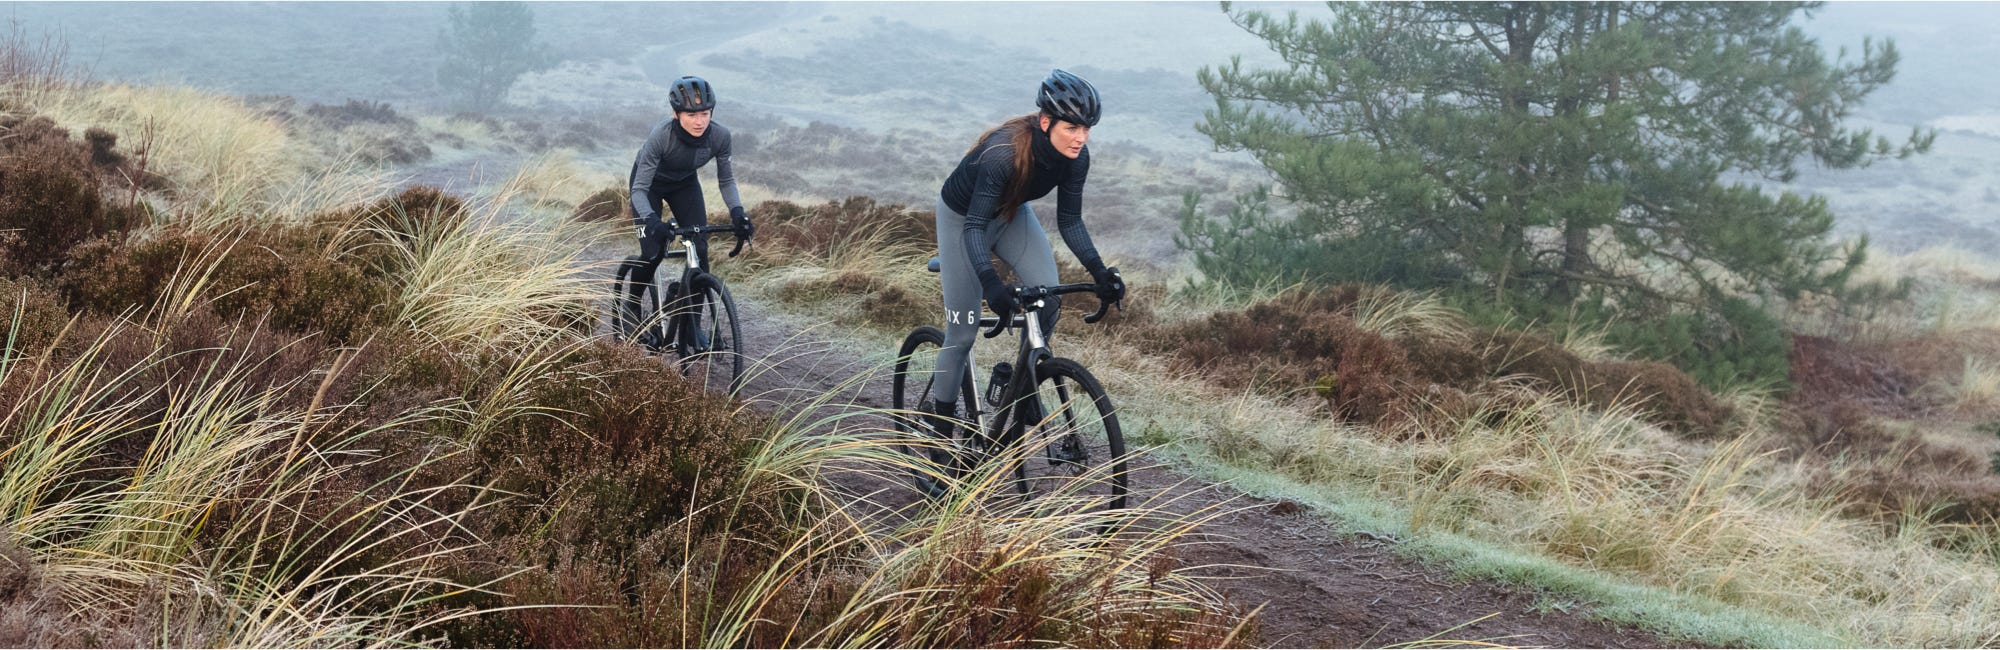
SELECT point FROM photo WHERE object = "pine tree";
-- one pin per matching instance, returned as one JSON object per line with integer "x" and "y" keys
{"x": 486, "y": 46}
{"x": 1548, "y": 153}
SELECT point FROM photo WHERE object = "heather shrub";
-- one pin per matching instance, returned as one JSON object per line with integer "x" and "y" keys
{"x": 875, "y": 300}
{"x": 34, "y": 312}
{"x": 1660, "y": 392}
{"x": 608, "y": 204}
{"x": 819, "y": 229}
{"x": 358, "y": 111}
{"x": 1300, "y": 342}
{"x": 1310, "y": 340}
{"x": 293, "y": 275}
{"x": 628, "y": 443}
{"x": 404, "y": 217}
{"x": 50, "y": 200}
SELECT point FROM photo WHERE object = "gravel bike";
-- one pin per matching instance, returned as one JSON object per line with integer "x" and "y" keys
{"x": 1050, "y": 416}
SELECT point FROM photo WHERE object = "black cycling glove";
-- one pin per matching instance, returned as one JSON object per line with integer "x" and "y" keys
{"x": 999, "y": 297}
{"x": 741, "y": 220}
{"x": 1110, "y": 286}
{"x": 653, "y": 235}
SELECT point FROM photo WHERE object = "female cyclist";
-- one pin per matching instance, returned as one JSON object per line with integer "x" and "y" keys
{"x": 983, "y": 211}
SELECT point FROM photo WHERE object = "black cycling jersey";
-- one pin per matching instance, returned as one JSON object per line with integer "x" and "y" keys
{"x": 975, "y": 188}
{"x": 671, "y": 156}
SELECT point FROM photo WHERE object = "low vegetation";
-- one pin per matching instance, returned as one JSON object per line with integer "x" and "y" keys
{"x": 232, "y": 418}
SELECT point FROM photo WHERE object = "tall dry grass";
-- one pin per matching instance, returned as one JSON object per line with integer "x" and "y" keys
{"x": 1737, "y": 539}
{"x": 194, "y": 529}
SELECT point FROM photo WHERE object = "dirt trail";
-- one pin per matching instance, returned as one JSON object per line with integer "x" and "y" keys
{"x": 1317, "y": 587}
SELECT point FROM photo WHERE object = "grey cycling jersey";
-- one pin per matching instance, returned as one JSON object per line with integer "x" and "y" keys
{"x": 670, "y": 157}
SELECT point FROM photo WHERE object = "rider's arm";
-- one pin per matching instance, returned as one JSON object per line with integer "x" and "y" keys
{"x": 725, "y": 174}
{"x": 643, "y": 170}
{"x": 994, "y": 167}
{"x": 1069, "y": 216}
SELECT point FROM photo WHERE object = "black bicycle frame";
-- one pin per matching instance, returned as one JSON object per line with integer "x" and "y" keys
{"x": 679, "y": 319}
{"x": 1034, "y": 349}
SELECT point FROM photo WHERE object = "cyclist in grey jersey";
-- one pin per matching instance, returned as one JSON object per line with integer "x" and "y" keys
{"x": 663, "y": 182}
{"x": 982, "y": 211}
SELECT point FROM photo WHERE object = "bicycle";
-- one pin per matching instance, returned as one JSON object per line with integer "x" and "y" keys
{"x": 1075, "y": 439}
{"x": 699, "y": 323}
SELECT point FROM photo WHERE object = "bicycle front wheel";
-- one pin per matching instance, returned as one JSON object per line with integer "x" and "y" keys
{"x": 711, "y": 346}
{"x": 1072, "y": 451}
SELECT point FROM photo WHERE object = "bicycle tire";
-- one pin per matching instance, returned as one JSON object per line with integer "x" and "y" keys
{"x": 916, "y": 361}
{"x": 1092, "y": 474}
{"x": 720, "y": 362}
{"x": 642, "y": 326}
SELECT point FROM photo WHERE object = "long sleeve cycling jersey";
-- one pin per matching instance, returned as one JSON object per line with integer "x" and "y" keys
{"x": 671, "y": 156}
{"x": 975, "y": 189}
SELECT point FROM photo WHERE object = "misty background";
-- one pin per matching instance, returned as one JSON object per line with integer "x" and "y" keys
{"x": 922, "y": 79}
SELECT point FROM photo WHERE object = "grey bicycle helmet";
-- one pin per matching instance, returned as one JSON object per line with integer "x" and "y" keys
{"x": 691, "y": 94}
{"x": 1069, "y": 98}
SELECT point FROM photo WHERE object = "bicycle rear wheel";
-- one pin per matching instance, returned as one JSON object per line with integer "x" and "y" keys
{"x": 914, "y": 385}
{"x": 711, "y": 349}
{"x": 1073, "y": 453}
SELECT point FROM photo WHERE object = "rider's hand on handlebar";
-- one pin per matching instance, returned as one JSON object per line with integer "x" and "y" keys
{"x": 1110, "y": 286}
{"x": 999, "y": 297}
{"x": 741, "y": 221}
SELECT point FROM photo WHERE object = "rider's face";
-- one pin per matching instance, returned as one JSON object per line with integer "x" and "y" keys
{"x": 694, "y": 123}
{"x": 1068, "y": 138}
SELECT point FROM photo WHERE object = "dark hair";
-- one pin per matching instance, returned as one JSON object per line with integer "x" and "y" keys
{"x": 1021, "y": 136}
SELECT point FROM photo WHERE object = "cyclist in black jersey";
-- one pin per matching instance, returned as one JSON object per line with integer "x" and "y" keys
{"x": 663, "y": 179}
{"x": 983, "y": 211}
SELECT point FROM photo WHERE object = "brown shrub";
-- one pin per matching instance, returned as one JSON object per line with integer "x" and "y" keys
{"x": 816, "y": 229}
{"x": 608, "y": 204}
{"x": 357, "y": 111}
{"x": 1527, "y": 354}
{"x": 417, "y": 209}
{"x": 283, "y": 271}
{"x": 1662, "y": 393}
{"x": 1826, "y": 371}
{"x": 1308, "y": 339}
{"x": 41, "y": 315}
{"x": 49, "y": 197}
{"x": 634, "y": 447}
{"x": 876, "y": 301}
{"x": 1450, "y": 362}
{"x": 1885, "y": 473}
{"x": 1299, "y": 342}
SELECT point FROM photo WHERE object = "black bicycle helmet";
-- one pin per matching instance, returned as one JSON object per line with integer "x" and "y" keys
{"x": 1069, "y": 98}
{"x": 691, "y": 94}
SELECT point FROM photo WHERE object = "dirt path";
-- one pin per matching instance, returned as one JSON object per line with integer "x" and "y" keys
{"x": 1317, "y": 587}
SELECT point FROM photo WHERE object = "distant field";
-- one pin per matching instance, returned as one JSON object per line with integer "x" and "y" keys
{"x": 937, "y": 73}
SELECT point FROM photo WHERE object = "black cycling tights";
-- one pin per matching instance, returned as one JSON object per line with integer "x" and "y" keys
{"x": 685, "y": 202}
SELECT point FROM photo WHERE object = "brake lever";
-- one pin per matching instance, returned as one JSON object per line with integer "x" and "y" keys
{"x": 740, "y": 242}
{"x": 1002, "y": 326}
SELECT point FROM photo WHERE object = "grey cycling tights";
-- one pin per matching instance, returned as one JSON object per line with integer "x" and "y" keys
{"x": 1022, "y": 243}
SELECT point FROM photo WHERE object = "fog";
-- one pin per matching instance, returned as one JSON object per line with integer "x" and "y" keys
{"x": 950, "y": 69}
